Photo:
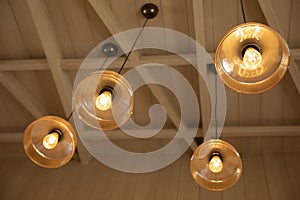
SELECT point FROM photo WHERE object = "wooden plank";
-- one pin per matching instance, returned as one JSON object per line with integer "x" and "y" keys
{"x": 168, "y": 181}
{"x": 15, "y": 178}
{"x": 187, "y": 187}
{"x": 237, "y": 191}
{"x": 294, "y": 70}
{"x": 211, "y": 195}
{"x": 254, "y": 177}
{"x": 277, "y": 177}
{"x": 11, "y": 41}
{"x": 272, "y": 105}
{"x": 23, "y": 95}
{"x": 250, "y": 110}
{"x": 52, "y": 50}
{"x": 292, "y": 161}
{"x": 232, "y": 113}
{"x": 27, "y": 29}
{"x": 78, "y": 25}
{"x": 113, "y": 25}
{"x": 51, "y": 47}
{"x": 294, "y": 32}
{"x": 177, "y": 22}
{"x": 61, "y": 29}
{"x": 291, "y": 106}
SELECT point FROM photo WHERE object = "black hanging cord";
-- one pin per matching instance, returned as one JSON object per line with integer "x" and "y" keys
{"x": 243, "y": 11}
{"x": 133, "y": 45}
{"x": 106, "y": 58}
{"x": 70, "y": 115}
{"x": 216, "y": 106}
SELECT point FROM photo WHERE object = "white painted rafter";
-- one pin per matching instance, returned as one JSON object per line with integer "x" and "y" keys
{"x": 16, "y": 88}
{"x": 272, "y": 20}
{"x": 47, "y": 35}
{"x": 242, "y": 131}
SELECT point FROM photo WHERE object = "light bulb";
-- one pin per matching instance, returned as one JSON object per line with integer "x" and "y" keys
{"x": 251, "y": 58}
{"x": 50, "y": 141}
{"x": 215, "y": 165}
{"x": 103, "y": 101}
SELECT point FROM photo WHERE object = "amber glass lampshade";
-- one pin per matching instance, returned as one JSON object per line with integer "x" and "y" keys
{"x": 103, "y": 100}
{"x": 252, "y": 58}
{"x": 50, "y": 141}
{"x": 216, "y": 165}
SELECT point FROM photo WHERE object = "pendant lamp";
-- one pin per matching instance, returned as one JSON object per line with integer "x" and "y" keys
{"x": 216, "y": 165}
{"x": 50, "y": 141}
{"x": 104, "y": 99}
{"x": 252, "y": 57}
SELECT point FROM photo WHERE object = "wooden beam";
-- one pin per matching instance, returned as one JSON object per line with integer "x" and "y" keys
{"x": 47, "y": 35}
{"x": 295, "y": 73}
{"x": 16, "y": 88}
{"x": 295, "y": 53}
{"x": 73, "y": 64}
{"x": 273, "y": 22}
{"x": 270, "y": 15}
{"x": 52, "y": 50}
{"x": 24, "y": 65}
{"x": 198, "y": 11}
{"x": 112, "y": 24}
{"x": 241, "y": 131}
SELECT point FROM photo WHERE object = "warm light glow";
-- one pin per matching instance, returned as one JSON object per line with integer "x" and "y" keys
{"x": 103, "y": 101}
{"x": 50, "y": 141}
{"x": 251, "y": 58}
{"x": 215, "y": 164}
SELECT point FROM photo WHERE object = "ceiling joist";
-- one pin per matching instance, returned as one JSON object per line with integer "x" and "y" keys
{"x": 251, "y": 131}
{"x": 272, "y": 20}
{"x": 16, "y": 88}
{"x": 47, "y": 35}
{"x": 198, "y": 11}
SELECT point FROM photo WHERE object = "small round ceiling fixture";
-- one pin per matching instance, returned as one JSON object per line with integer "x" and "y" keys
{"x": 149, "y": 10}
{"x": 104, "y": 100}
{"x": 252, "y": 58}
{"x": 216, "y": 165}
{"x": 50, "y": 141}
{"x": 109, "y": 49}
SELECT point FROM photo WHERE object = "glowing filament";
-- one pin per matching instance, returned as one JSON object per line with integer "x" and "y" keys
{"x": 103, "y": 101}
{"x": 215, "y": 165}
{"x": 50, "y": 141}
{"x": 251, "y": 58}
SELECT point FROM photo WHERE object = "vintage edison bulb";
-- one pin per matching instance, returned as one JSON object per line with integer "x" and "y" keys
{"x": 215, "y": 164}
{"x": 50, "y": 141}
{"x": 251, "y": 58}
{"x": 103, "y": 101}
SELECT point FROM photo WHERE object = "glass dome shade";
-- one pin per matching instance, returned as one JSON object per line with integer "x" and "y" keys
{"x": 216, "y": 165}
{"x": 252, "y": 58}
{"x": 103, "y": 100}
{"x": 50, "y": 141}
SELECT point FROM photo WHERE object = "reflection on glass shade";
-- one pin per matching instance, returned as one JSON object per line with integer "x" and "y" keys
{"x": 103, "y": 100}
{"x": 216, "y": 165}
{"x": 50, "y": 141}
{"x": 252, "y": 58}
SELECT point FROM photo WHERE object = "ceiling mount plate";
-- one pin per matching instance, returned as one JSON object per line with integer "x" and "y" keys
{"x": 149, "y": 10}
{"x": 109, "y": 49}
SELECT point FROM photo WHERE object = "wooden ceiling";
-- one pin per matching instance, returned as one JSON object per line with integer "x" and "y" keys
{"x": 43, "y": 43}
